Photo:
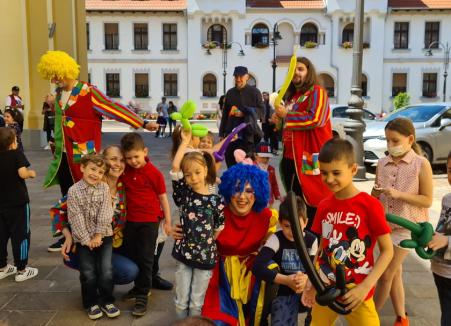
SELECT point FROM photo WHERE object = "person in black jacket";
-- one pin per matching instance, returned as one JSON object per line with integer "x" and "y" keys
{"x": 243, "y": 103}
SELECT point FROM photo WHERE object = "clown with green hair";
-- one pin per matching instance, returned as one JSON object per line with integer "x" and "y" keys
{"x": 79, "y": 108}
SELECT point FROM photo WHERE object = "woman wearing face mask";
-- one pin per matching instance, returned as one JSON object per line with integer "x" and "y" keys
{"x": 404, "y": 186}
{"x": 307, "y": 126}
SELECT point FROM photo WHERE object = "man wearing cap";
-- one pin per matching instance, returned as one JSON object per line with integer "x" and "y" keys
{"x": 243, "y": 103}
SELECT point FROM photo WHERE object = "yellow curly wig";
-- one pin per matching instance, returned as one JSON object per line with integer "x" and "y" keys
{"x": 59, "y": 64}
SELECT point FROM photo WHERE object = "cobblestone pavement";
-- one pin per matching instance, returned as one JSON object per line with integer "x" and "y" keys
{"x": 53, "y": 297}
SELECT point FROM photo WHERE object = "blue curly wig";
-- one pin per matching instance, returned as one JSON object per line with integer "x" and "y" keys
{"x": 235, "y": 178}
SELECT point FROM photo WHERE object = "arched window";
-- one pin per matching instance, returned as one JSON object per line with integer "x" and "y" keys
{"x": 309, "y": 32}
{"x": 328, "y": 84}
{"x": 217, "y": 33}
{"x": 260, "y": 35}
{"x": 348, "y": 33}
{"x": 364, "y": 85}
{"x": 209, "y": 86}
{"x": 252, "y": 81}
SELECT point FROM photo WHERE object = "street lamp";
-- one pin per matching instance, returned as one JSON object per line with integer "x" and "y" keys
{"x": 446, "y": 49}
{"x": 225, "y": 47}
{"x": 275, "y": 37}
{"x": 354, "y": 125}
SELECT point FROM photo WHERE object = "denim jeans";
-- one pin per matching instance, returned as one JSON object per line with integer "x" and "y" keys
{"x": 96, "y": 274}
{"x": 124, "y": 269}
{"x": 190, "y": 287}
{"x": 444, "y": 295}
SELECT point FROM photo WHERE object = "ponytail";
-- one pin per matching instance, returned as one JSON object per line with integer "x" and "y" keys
{"x": 211, "y": 167}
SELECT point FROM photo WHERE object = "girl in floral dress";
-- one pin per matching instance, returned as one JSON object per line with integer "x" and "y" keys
{"x": 201, "y": 219}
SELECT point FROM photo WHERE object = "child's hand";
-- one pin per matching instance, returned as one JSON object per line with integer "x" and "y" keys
{"x": 308, "y": 296}
{"x": 393, "y": 193}
{"x": 186, "y": 136}
{"x": 438, "y": 241}
{"x": 355, "y": 296}
{"x": 301, "y": 280}
{"x": 177, "y": 232}
{"x": 66, "y": 248}
{"x": 167, "y": 227}
{"x": 32, "y": 173}
{"x": 95, "y": 242}
{"x": 377, "y": 191}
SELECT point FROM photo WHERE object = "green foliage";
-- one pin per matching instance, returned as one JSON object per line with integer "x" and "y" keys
{"x": 401, "y": 100}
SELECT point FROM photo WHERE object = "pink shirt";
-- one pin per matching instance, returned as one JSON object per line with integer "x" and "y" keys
{"x": 404, "y": 177}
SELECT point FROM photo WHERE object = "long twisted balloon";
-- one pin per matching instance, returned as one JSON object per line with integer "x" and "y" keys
{"x": 288, "y": 77}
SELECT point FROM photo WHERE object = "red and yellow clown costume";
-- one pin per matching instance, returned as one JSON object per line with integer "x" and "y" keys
{"x": 234, "y": 295}
{"x": 78, "y": 122}
{"x": 307, "y": 128}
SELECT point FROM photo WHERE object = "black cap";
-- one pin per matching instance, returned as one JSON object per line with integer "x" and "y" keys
{"x": 240, "y": 71}
{"x": 15, "y": 88}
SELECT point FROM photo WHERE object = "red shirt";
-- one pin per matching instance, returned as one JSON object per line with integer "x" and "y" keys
{"x": 349, "y": 229}
{"x": 142, "y": 188}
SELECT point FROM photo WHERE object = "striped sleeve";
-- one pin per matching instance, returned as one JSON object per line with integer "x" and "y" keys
{"x": 114, "y": 110}
{"x": 317, "y": 115}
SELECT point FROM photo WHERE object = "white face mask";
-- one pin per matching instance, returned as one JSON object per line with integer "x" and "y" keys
{"x": 396, "y": 151}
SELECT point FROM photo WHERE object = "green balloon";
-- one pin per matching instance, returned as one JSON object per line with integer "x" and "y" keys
{"x": 176, "y": 116}
{"x": 199, "y": 130}
{"x": 188, "y": 109}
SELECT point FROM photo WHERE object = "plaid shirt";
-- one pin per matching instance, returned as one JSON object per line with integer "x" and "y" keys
{"x": 89, "y": 211}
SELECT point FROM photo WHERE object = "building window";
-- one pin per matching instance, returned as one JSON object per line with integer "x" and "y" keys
{"x": 430, "y": 85}
{"x": 399, "y": 84}
{"x": 141, "y": 36}
{"x": 364, "y": 85}
{"x": 328, "y": 84}
{"x": 217, "y": 33}
{"x": 141, "y": 85}
{"x": 431, "y": 34}
{"x": 260, "y": 35}
{"x": 89, "y": 78}
{"x": 348, "y": 33}
{"x": 401, "y": 37}
{"x": 111, "y": 36}
{"x": 169, "y": 36}
{"x": 170, "y": 84}
{"x": 87, "y": 36}
{"x": 113, "y": 85}
{"x": 309, "y": 33}
{"x": 209, "y": 86}
{"x": 252, "y": 81}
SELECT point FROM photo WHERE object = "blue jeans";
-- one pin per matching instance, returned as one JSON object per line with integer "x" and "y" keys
{"x": 285, "y": 309}
{"x": 96, "y": 274}
{"x": 190, "y": 287}
{"x": 124, "y": 269}
{"x": 444, "y": 295}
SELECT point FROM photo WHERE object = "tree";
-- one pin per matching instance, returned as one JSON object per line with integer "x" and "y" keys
{"x": 401, "y": 100}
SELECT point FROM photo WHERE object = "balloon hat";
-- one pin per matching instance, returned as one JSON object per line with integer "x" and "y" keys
{"x": 186, "y": 112}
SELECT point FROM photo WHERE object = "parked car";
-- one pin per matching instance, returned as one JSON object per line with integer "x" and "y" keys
{"x": 339, "y": 116}
{"x": 432, "y": 122}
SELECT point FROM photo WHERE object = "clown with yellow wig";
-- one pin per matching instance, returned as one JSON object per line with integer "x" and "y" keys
{"x": 79, "y": 108}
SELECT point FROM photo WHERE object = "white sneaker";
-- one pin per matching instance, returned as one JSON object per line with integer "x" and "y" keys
{"x": 28, "y": 273}
{"x": 8, "y": 270}
{"x": 47, "y": 147}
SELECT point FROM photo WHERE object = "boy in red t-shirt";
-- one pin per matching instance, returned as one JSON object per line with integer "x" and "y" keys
{"x": 349, "y": 223}
{"x": 147, "y": 202}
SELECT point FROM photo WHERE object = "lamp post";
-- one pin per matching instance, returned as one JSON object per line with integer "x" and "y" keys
{"x": 354, "y": 125}
{"x": 225, "y": 47}
{"x": 275, "y": 36}
{"x": 446, "y": 49}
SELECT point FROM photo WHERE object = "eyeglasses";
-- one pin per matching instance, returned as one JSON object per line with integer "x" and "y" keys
{"x": 247, "y": 191}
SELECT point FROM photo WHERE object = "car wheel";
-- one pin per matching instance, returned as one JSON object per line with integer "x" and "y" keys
{"x": 426, "y": 151}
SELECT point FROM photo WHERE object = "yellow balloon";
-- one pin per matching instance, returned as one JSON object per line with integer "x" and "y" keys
{"x": 288, "y": 77}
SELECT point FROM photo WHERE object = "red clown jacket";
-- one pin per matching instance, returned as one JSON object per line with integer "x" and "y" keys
{"x": 78, "y": 127}
{"x": 307, "y": 128}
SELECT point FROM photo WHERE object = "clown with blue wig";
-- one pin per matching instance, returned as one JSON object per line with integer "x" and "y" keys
{"x": 234, "y": 295}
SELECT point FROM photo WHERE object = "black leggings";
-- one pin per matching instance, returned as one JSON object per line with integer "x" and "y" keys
{"x": 291, "y": 182}
{"x": 64, "y": 176}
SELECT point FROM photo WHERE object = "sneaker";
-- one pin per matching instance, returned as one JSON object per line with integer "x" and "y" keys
{"x": 27, "y": 273}
{"x": 140, "y": 307}
{"x": 111, "y": 310}
{"x": 56, "y": 247}
{"x": 8, "y": 270}
{"x": 160, "y": 283}
{"x": 401, "y": 321}
{"x": 47, "y": 147}
{"x": 131, "y": 295}
{"x": 94, "y": 312}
